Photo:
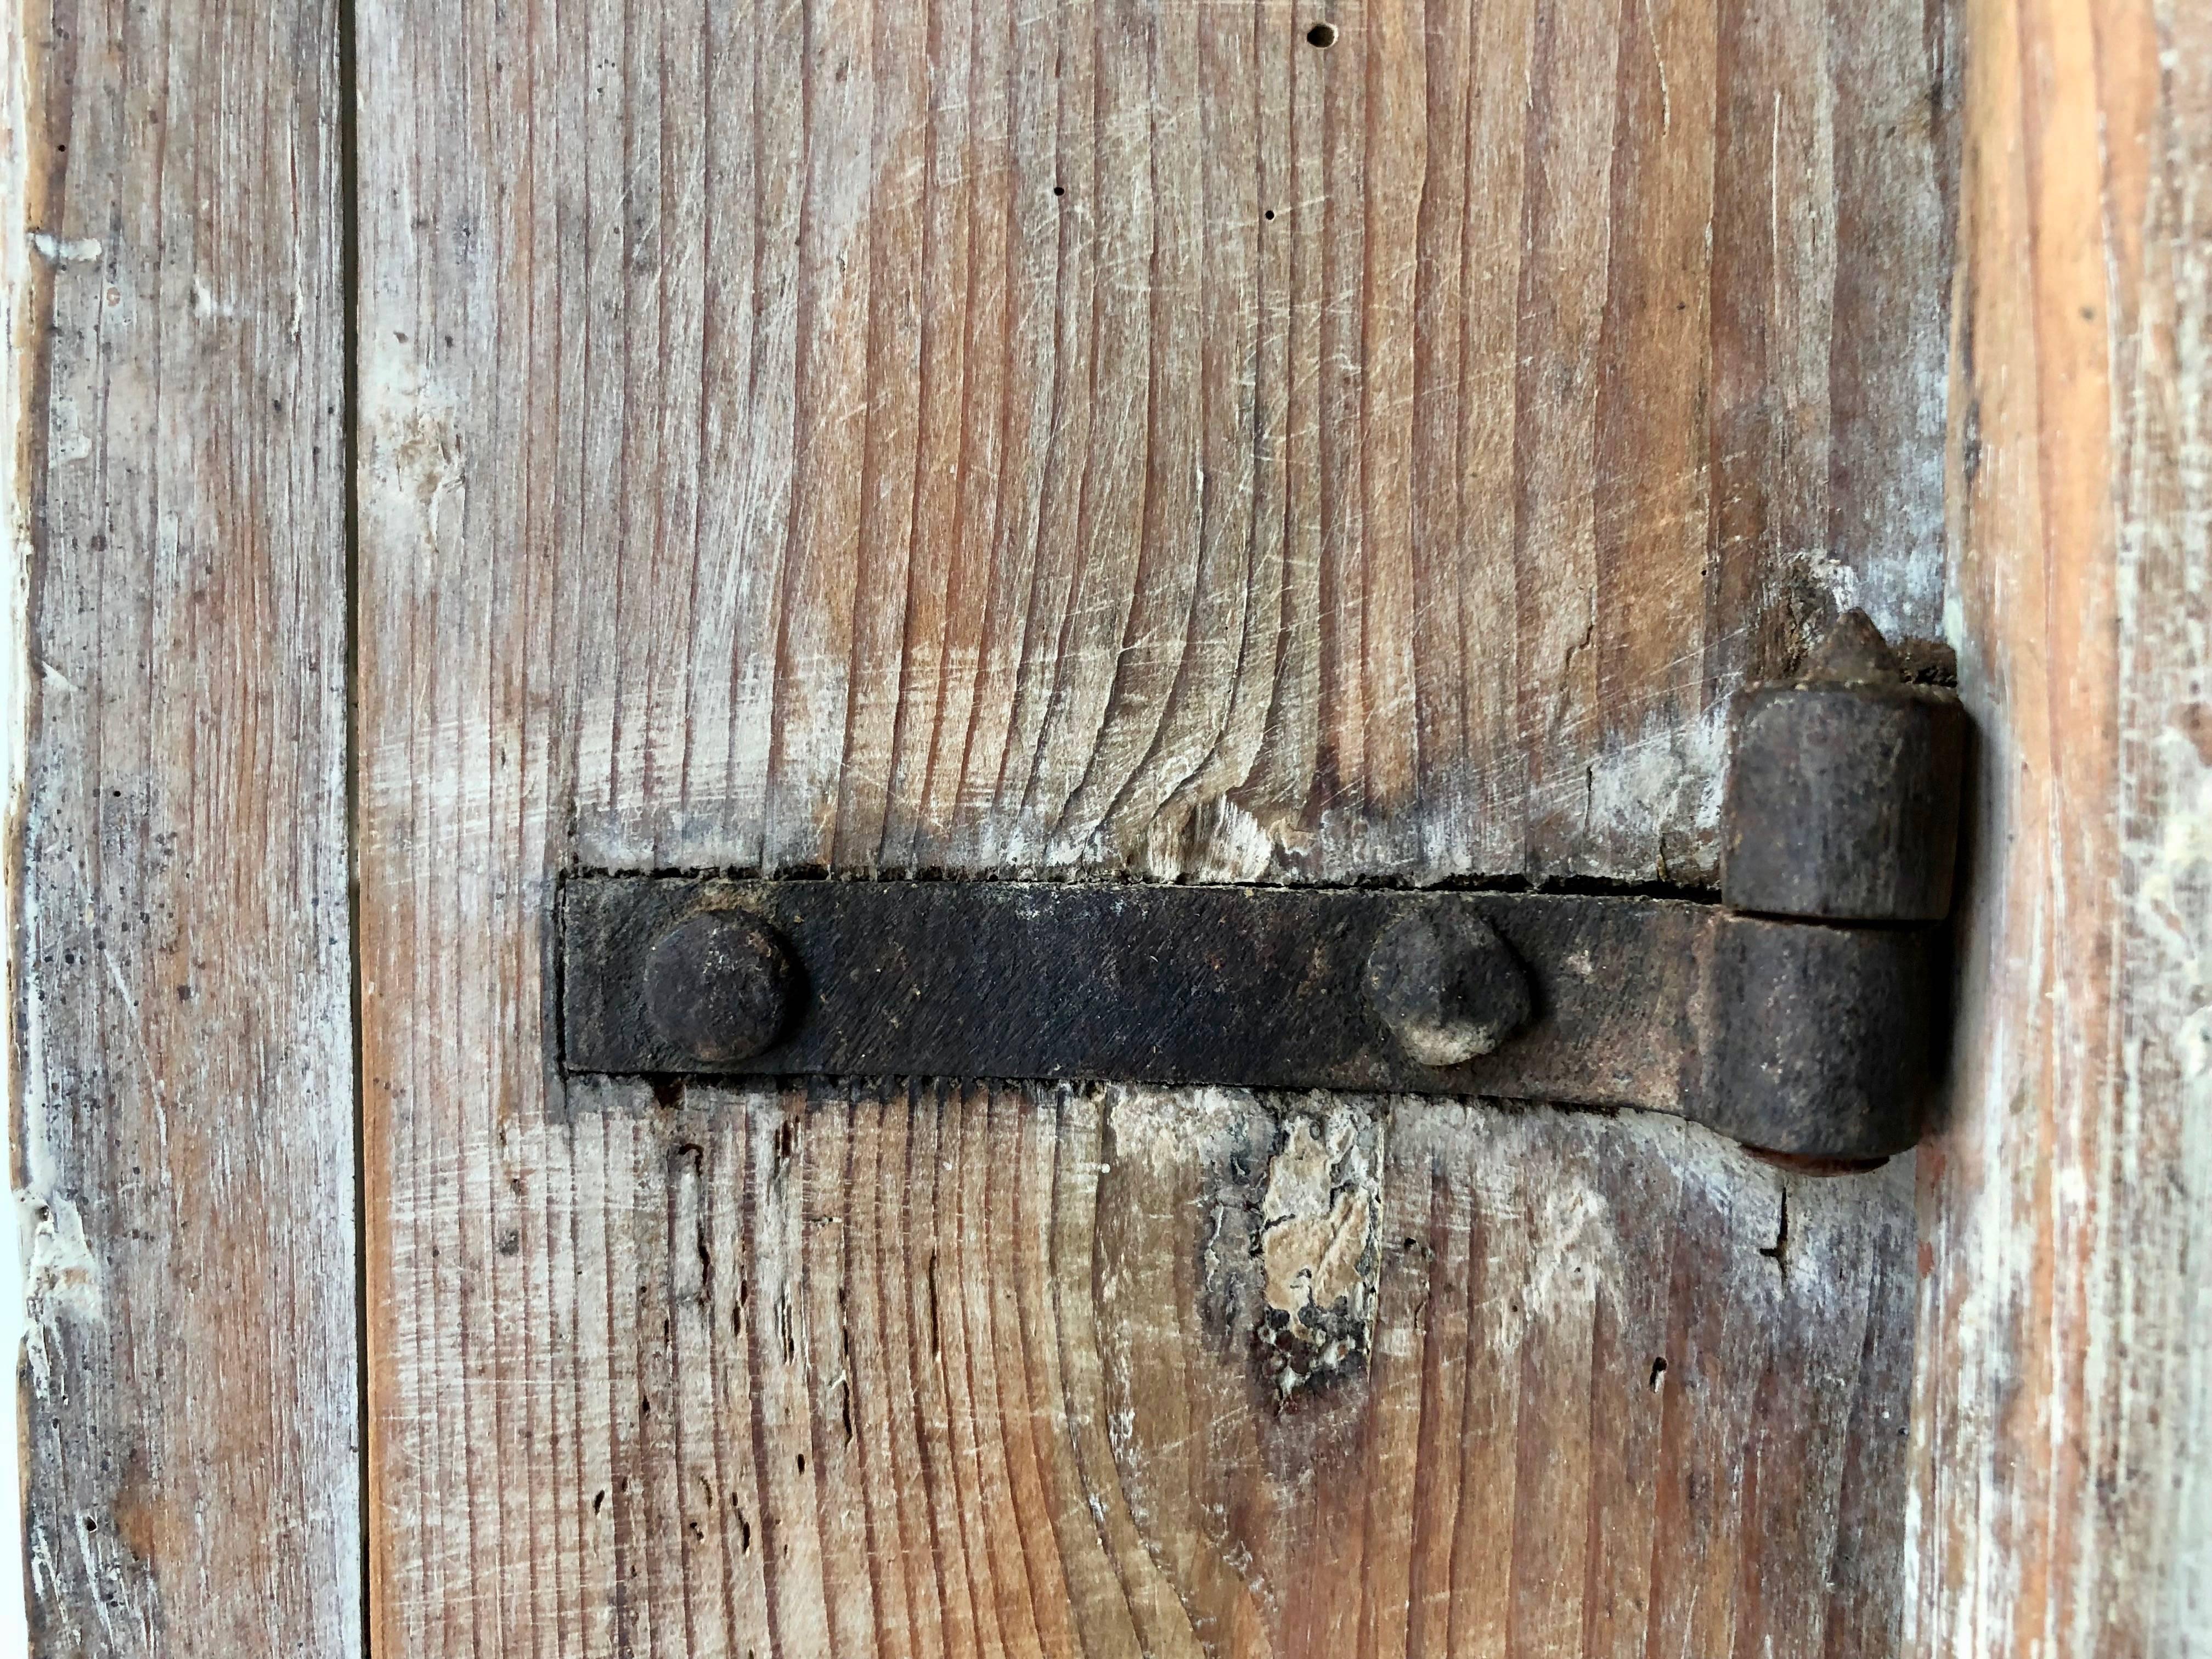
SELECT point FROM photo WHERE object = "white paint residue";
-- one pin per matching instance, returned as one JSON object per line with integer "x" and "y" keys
{"x": 2189, "y": 1600}
{"x": 414, "y": 484}
{"x": 1566, "y": 1240}
{"x": 66, "y": 250}
{"x": 2170, "y": 1047}
{"x": 1896, "y": 593}
{"x": 1218, "y": 840}
{"x": 1655, "y": 802}
{"x": 1209, "y": 1120}
{"x": 1318, "y": 1219}
{"x": 66, "y": 437}
{"x": 62, "y": 1280}
{"x": 1839, "y": 581}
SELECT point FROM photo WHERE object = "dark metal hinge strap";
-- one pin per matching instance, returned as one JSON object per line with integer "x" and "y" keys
{"x": 1806, "y": 1013}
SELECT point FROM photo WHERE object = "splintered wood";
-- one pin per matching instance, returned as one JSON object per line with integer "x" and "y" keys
{"x": 1133, "y": 440}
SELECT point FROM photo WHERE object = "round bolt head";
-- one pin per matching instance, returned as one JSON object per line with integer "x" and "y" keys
{"x": 718, "y": 984}
{"x": 1448, "y": 989}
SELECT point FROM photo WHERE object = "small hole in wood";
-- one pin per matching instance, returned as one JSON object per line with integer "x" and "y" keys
{"x": 1270, "y": 214}
{"x": 1321, "y": 35}
{"x": 1658, "y": 1372}
{"x": 1059, "y": 189}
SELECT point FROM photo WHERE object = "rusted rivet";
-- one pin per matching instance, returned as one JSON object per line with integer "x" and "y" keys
{"x": 718, "y": 984}
{"x": 1446, "y": 986}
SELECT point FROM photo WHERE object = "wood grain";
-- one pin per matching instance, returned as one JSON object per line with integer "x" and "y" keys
{"x": 2064, "y": 1423}
{"x": 1123, "y": 438}
{"x": 929, "y": 438}
{"x": 932, "y": 1371}
{"x": 182, "y": 1040}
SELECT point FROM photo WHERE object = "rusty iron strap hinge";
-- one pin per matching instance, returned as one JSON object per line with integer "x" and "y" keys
{"x": 1805, "y": 1013}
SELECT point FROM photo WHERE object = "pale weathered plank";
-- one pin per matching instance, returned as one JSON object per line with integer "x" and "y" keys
{"x": 183, "y": 1036}
{"x": 1132, "y": 437}
{"x": 1105, "y": 439}
{"x": 2064, "y": 1439}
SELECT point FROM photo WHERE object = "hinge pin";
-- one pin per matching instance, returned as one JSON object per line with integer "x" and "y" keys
{"x": 1843, "y": 791}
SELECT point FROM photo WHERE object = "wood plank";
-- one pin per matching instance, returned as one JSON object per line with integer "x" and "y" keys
{"x": 897, "y": 439}
{"x": 2062, "y": 1422}
{"x": 182, "y": 1029}
{"x": 905, "y": 480}
{"x": 945, "y": 1371}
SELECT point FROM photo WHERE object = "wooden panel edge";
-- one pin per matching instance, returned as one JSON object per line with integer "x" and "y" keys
{"x": 2062, "y": 1422}
{"x": 15, "y": 344}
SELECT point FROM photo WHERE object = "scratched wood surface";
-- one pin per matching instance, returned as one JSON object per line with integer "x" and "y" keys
{"x": 934, "y": 1371}
{"x": 181, "y": 1072}
{"x": 1112, "y": 439}
{"x": 2062, "y": 1460}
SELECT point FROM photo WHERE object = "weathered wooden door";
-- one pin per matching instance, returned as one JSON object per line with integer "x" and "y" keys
{"x": 1187, "y": 442}
{"x": 1223, "y": 442}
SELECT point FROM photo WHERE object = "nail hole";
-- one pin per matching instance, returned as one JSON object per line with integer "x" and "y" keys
{"x": 1059, "y": 189}
{"x": 1321, "y": 35}
{"x": 1658, "y": 1372}
{"x": 1271, "y": 213}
